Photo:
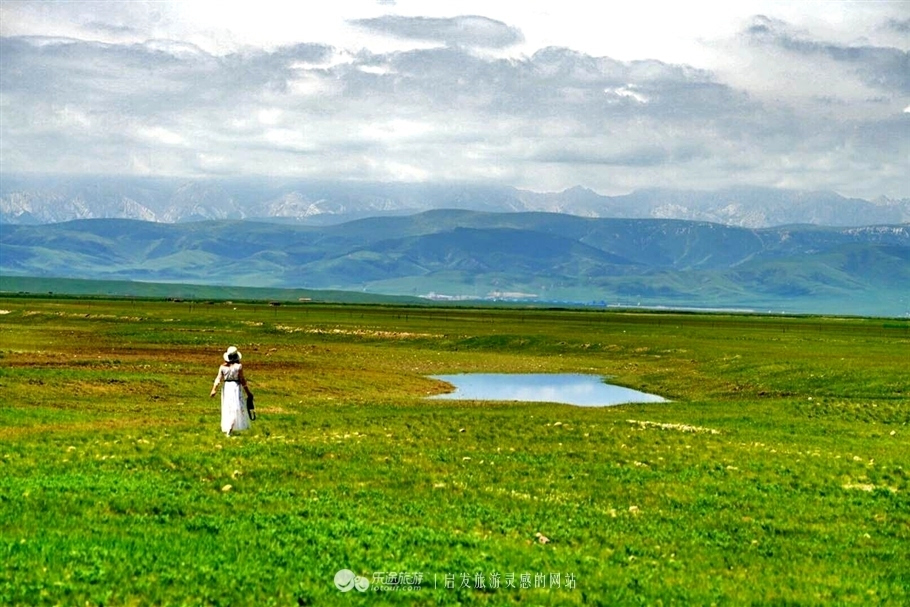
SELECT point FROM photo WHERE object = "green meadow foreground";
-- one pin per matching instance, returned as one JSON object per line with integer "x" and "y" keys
{"x": 778, "y": 474}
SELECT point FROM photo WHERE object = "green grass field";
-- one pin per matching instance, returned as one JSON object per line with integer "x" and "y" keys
{"x": 779, "y": 474}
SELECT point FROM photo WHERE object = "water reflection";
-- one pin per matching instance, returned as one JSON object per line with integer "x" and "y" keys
{"x": 568, "y": 388}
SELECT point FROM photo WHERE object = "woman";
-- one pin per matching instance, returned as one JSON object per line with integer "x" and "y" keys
{"x": 234, "y": 416}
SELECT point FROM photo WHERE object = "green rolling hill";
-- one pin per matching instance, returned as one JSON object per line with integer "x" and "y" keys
{"x": 540, "y": 256}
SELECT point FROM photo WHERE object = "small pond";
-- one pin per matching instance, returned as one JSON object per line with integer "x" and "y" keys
{"x": 567, "y": 388}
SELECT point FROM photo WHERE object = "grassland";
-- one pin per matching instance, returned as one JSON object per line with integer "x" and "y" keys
{"x": 779, "y": 473}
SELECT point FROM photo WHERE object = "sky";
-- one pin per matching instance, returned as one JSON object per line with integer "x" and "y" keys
{"x": 540, "y": 95}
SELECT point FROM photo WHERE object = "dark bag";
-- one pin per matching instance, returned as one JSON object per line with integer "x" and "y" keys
{"x": 250, "y": 408}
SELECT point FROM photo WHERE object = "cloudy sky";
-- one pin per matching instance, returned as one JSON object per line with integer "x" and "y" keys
{"x": 537, "y": 94}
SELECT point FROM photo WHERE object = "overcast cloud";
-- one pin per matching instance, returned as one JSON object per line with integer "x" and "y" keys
{"x": 472, "y": 31}
{"x": 803, "y": 101}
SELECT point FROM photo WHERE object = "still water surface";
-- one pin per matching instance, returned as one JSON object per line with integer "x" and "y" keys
{"x": 568, "y": 388}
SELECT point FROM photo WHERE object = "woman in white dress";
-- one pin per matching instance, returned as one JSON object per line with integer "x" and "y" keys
{"x": 234, "y": 415}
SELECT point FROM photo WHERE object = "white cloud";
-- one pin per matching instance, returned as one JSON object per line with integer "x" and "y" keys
{"x": 157, "y": 134}
{"x": 269, "y": 116}
{"x": 628, "y": 92}
{"x": 379, "y": 70}
{"x": 288, "y": 139}
{"x": 696, "y": 98}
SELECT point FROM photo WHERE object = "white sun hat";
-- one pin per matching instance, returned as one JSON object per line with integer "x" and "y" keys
{"x": 230, "y": 352}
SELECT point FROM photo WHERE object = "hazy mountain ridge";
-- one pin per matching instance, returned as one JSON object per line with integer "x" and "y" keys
{"x": 34, "y": 200}
{"x": 544, "y": 256}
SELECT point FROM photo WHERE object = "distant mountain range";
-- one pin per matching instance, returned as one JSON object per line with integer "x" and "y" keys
{"x": 28, "y": 200}
{"x": 517, "y": 255}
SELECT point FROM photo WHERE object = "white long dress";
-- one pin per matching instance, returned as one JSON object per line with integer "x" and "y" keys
{"x": 234, "y": 416}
